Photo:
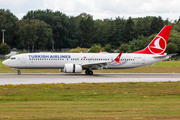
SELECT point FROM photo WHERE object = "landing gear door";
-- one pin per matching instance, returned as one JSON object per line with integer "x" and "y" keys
{"x": 23, "y": 59}
{"x": 143, "y": 59}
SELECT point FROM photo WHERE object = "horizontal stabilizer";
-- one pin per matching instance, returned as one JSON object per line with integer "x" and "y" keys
{"x": 162, "y": 56}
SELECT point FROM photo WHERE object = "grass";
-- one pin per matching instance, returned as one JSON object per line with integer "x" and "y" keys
{"x": 161, "y": 67}
{"x": 99, "y": 101}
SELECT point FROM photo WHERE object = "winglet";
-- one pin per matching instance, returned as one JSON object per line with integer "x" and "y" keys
{"x": 100, "y": 51}
{"x": 117, "y": 59}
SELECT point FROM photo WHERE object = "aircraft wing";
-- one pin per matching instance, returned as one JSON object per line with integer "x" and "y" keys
{"x": 101, "y": 64}
{"x": 95, "y": 65}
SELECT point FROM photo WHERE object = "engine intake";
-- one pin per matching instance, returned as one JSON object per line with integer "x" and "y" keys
{"x": 72, "y": 68}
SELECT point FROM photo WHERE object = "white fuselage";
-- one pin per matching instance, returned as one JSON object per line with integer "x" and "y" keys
{"x": 58, "y": 60}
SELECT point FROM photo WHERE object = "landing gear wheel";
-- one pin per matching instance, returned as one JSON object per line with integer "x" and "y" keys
{"x": 19, "y": 72}
{"x": 87, "y": 72}
{"x": 90, "y": 72}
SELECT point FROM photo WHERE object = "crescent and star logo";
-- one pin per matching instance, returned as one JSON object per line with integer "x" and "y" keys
{"x": 158, "y": 46}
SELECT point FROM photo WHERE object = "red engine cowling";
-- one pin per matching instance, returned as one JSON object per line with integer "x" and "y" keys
{"x": 72, "y": 68}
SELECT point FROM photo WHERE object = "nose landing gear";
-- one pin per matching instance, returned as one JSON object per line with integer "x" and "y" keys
{"x": 18, "y": 72}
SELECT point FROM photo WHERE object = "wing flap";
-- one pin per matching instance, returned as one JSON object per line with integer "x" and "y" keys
{"x": 95, "y": 63}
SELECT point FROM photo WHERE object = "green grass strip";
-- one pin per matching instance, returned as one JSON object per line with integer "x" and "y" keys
{"x": 102, "y": 101}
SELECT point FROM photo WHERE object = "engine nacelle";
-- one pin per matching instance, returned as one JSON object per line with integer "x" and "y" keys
{"x": 72, "y": 68}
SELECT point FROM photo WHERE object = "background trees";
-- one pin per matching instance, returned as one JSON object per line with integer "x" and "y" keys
{"x": 4, "y": 49}
{"x": 33, "y": 34}
{"x": 95, "y": 48}
{"x": 86, "y": 28}
{"x": 7, "y": 22}
{"x": 46, "y": 29}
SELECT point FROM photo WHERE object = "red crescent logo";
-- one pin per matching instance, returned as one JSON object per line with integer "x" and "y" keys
{"x": 158, "y": 45}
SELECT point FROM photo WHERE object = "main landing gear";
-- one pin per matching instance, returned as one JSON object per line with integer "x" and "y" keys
{"x": 89, "y": 72}
{"x": 18, "y": 72}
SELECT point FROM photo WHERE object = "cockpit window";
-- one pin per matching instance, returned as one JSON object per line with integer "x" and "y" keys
{"x": 12, "y": 58}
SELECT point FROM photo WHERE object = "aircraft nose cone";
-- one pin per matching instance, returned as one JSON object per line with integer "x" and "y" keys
{"x": 4, "y": 63}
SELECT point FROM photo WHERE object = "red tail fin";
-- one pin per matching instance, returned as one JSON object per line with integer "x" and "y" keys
{"x": 158, "y": 44}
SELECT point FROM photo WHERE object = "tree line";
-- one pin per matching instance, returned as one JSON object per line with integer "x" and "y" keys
{"x": 46, "y": 29}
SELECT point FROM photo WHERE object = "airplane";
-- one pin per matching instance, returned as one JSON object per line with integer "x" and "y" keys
{"x": 76, "y": 62}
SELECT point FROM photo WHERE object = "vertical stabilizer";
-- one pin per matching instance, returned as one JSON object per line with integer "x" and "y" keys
{"x": 158, "y": 44}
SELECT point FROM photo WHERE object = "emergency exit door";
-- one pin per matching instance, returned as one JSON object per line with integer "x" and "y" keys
{"x": 143, "y": 59}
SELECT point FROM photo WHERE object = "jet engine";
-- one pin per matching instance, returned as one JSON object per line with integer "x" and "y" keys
{"x": 72, "y": 68}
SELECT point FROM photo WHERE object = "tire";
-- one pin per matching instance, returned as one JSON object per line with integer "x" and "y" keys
{"x": 90, "y": 72}
{"x": 19, "y": 73}
{"x": 86, "y": 72}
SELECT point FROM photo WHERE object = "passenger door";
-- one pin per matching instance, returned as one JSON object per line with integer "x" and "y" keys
{"x": 23, "y": 59}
